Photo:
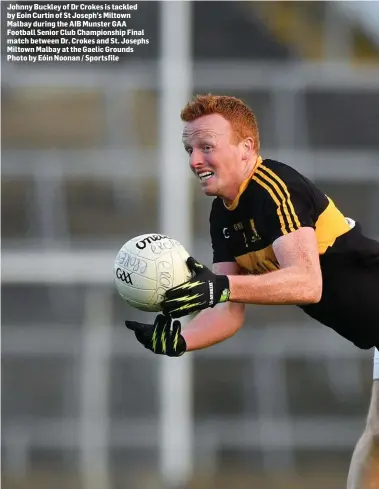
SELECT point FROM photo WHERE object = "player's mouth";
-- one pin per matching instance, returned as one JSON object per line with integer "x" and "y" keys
{"x": 205, "y": 175}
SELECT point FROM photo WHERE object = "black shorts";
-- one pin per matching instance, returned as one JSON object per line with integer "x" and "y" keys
{"x": 350, "y": 298}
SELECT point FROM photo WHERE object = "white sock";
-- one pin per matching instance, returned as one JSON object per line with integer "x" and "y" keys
{"x": 376, "y": 364}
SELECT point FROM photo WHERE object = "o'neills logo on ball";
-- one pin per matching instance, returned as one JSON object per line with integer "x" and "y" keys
{"x": 141, "y": 245}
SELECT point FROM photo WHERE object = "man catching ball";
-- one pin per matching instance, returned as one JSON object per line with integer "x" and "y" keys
{"x": 277, "y": 239}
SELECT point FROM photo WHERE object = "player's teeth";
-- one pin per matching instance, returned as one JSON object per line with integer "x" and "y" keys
{"x": 205, "y": 176}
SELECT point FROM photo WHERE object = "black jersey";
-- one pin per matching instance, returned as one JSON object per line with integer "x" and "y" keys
{"x": 276, "y": 200}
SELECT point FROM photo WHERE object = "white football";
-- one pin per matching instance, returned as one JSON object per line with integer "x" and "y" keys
{"x": 146, "y": 267}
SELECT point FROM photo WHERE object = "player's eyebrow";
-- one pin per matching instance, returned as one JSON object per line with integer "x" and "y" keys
{"x": 199, "y": 135}
{"x": 187, "y": 146}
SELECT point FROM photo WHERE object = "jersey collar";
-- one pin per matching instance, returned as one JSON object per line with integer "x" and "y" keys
{"x": 243, "y": 186}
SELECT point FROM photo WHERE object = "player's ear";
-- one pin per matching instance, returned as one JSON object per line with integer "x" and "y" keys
{"x": 247, "y": 148}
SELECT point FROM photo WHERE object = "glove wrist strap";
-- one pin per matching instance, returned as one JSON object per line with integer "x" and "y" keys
{"x": 223, "y": 288}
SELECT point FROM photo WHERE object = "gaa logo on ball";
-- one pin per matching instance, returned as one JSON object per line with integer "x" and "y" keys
{"x": 124, "y": 276}
{"x": 146, "y": 267}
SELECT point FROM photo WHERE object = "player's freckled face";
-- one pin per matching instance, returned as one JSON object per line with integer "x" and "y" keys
{"x": 213, "y": 157}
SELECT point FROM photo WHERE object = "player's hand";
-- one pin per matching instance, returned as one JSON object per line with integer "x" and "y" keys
{"x": 159, "y": 337}
{"x": 205, "y": 289}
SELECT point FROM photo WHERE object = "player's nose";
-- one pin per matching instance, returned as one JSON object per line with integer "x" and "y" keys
{"x": 196, "y": 160}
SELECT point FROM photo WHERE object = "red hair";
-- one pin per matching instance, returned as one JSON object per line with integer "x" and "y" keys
{"x": 240, "y": 116}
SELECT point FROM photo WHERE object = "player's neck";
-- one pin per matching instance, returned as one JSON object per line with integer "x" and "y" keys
{"x": 242, "y": 182}
{"x": 250, "y": 168}
{"x": 248, "y": 172}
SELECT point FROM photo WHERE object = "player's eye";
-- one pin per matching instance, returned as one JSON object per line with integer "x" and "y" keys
{"x": 207, "y": 147}
{"x": 188, "y": 150}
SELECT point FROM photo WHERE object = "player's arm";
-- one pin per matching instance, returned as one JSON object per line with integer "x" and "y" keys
{"x": 209, "y": 327}
{"x": 287, "y": 218}
{"x": 299, "y": 280}
{"x": 212, "y": 326}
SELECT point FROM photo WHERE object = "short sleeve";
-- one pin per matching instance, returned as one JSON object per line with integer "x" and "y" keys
{"x": 287, "y": 203}
{"x": 219, "y": 237}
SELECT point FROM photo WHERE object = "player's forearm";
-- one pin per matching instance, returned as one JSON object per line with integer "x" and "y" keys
{"x": 212, "y": 326}
{"x": 285, "y": 286}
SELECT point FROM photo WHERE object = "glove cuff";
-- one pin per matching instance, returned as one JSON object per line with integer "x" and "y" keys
{"x": 223, "y": 290}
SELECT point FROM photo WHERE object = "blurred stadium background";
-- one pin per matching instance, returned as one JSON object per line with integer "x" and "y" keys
{"x": 280, "y": 405}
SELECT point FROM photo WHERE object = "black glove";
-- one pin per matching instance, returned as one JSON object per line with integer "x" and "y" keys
{"x": 158, "y": 337}
{"x": 205, "y": 289}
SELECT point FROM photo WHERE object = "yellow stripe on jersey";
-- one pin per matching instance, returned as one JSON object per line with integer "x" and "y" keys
{"x": 330, "y": 225}
{"x": 260, "y": 261}
{"x": 284, "y": 187}
{"x": 280, "y": 193}
{"x": 275, "y": 199}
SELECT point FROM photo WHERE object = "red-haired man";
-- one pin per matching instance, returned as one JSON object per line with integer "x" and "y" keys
{"x": 277, "y": 239}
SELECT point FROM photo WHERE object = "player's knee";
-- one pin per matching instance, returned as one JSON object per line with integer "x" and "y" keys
{"x": 372, "y": 425}
{"x": 372, "y": 430}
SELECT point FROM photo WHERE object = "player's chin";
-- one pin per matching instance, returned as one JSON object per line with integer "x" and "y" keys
{"x": 209, "y": 189}
{"x": 210, "y": 192}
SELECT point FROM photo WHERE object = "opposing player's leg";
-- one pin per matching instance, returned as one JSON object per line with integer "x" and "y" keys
{"x": 364, "y": 467}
